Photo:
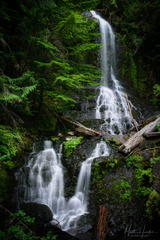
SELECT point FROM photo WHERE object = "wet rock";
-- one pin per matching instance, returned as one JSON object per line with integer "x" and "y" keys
{"x": 117, "y": 139}
{"x": 38, "y": 211}
{"x": 147, "y": 154}
{"x": 61, "y": 235}
{"x": 43, "y": 215}
{"x": 85, "y": 223}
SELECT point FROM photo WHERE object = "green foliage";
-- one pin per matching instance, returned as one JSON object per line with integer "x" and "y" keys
{"x": 97, "y": 175}
{"x": 19, "y": 229}
{"x": 14, "y": 97}
{"x": 51, "y": 42}
{"x": 133, "y": 70}
{"x": 136, "y": 22}
{"x": 107, "y": 141}
{"x": 111, "y": 163}
{"x": 116, "y": 189}
{"x": 10, "y": 143}
{"x": 123, "y": 189}
{"x": 81, "y": 6}
{"x": 62, "y": 72}
{"x": 21, "y": 215}
{"x": 100, "y": 171}
{"x": 16, "y": 90}
{"x": 71, "y": 144}
{"x": 143, "y": 178}
{"x": 55, "y": 139}
{"x": 156, "y": 92}
{"x": 133, "y": 160}
{"x": 126, "y": 189}
{"x": 154, "y": 160}
{"x": 142, "y": 175}
{"x": 152, "y": 206}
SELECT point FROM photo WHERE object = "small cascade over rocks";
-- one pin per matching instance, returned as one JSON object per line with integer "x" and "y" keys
{"x": 111, "y": 104}
{"x": 44, "y": 184}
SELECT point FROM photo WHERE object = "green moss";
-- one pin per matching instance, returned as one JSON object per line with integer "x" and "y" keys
{"x": 152, "y": 205}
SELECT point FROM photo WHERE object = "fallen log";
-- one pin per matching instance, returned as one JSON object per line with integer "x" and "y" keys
{"x": 81, "y": 126}
{"x": 138, "y": 137}
{"x": 151, "y": 134}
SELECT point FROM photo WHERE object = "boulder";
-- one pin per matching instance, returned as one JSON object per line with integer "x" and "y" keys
{"x": 43, "y": 215}
{"x": 61, "y": 235}
{"x": 37, "y": 210}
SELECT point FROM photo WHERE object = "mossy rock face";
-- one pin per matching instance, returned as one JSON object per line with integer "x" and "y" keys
{"x": 113, "y": 189}
{"x": 125, "y": 186}
{"x": 156, "y": 174}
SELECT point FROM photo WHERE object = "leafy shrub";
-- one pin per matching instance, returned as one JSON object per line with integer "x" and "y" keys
{"x": 10, "y": 142}
{"x": 19, "y": 229}
{"x": 152, "y": 207}
{"x": 71, "y": 144}
{"x": 156, "y": 92}
{"x": 123, "y": 189}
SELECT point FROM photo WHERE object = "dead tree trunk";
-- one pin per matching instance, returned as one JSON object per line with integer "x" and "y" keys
{"x": 138, "y": 137}
{"x": 101, "y": 230}
{"x": 129, "y": 108}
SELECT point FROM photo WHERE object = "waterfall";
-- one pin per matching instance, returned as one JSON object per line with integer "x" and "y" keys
{"x": 77, "y": 205}
{"x": 111, "y": 104}
{"x": 44, "y": 184}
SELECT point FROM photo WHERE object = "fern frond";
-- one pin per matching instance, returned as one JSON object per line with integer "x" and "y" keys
{"x": 27, "y": 90}
{"x": 10, "y": 97}
{"x": 64, "y": 98}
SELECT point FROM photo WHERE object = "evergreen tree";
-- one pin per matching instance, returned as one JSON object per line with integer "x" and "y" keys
{"x": 50, "y": 40}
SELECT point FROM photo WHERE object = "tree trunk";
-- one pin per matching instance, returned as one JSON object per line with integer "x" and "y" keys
{"x": 101, "y": 229}
{"x": 138, "y": 137}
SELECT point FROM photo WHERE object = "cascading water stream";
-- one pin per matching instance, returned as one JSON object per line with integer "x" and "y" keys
{"x": 44, "y": 184}
{"x": 77, "y": 205}
{"x": 111, "y": 105}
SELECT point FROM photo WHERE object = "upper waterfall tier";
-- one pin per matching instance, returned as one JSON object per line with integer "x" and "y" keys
{"x": 111, "y": 104}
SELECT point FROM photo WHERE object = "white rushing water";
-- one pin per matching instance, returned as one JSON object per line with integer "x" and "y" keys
{"x": 111, "y": 104}
{"x": 45, "y": 184}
